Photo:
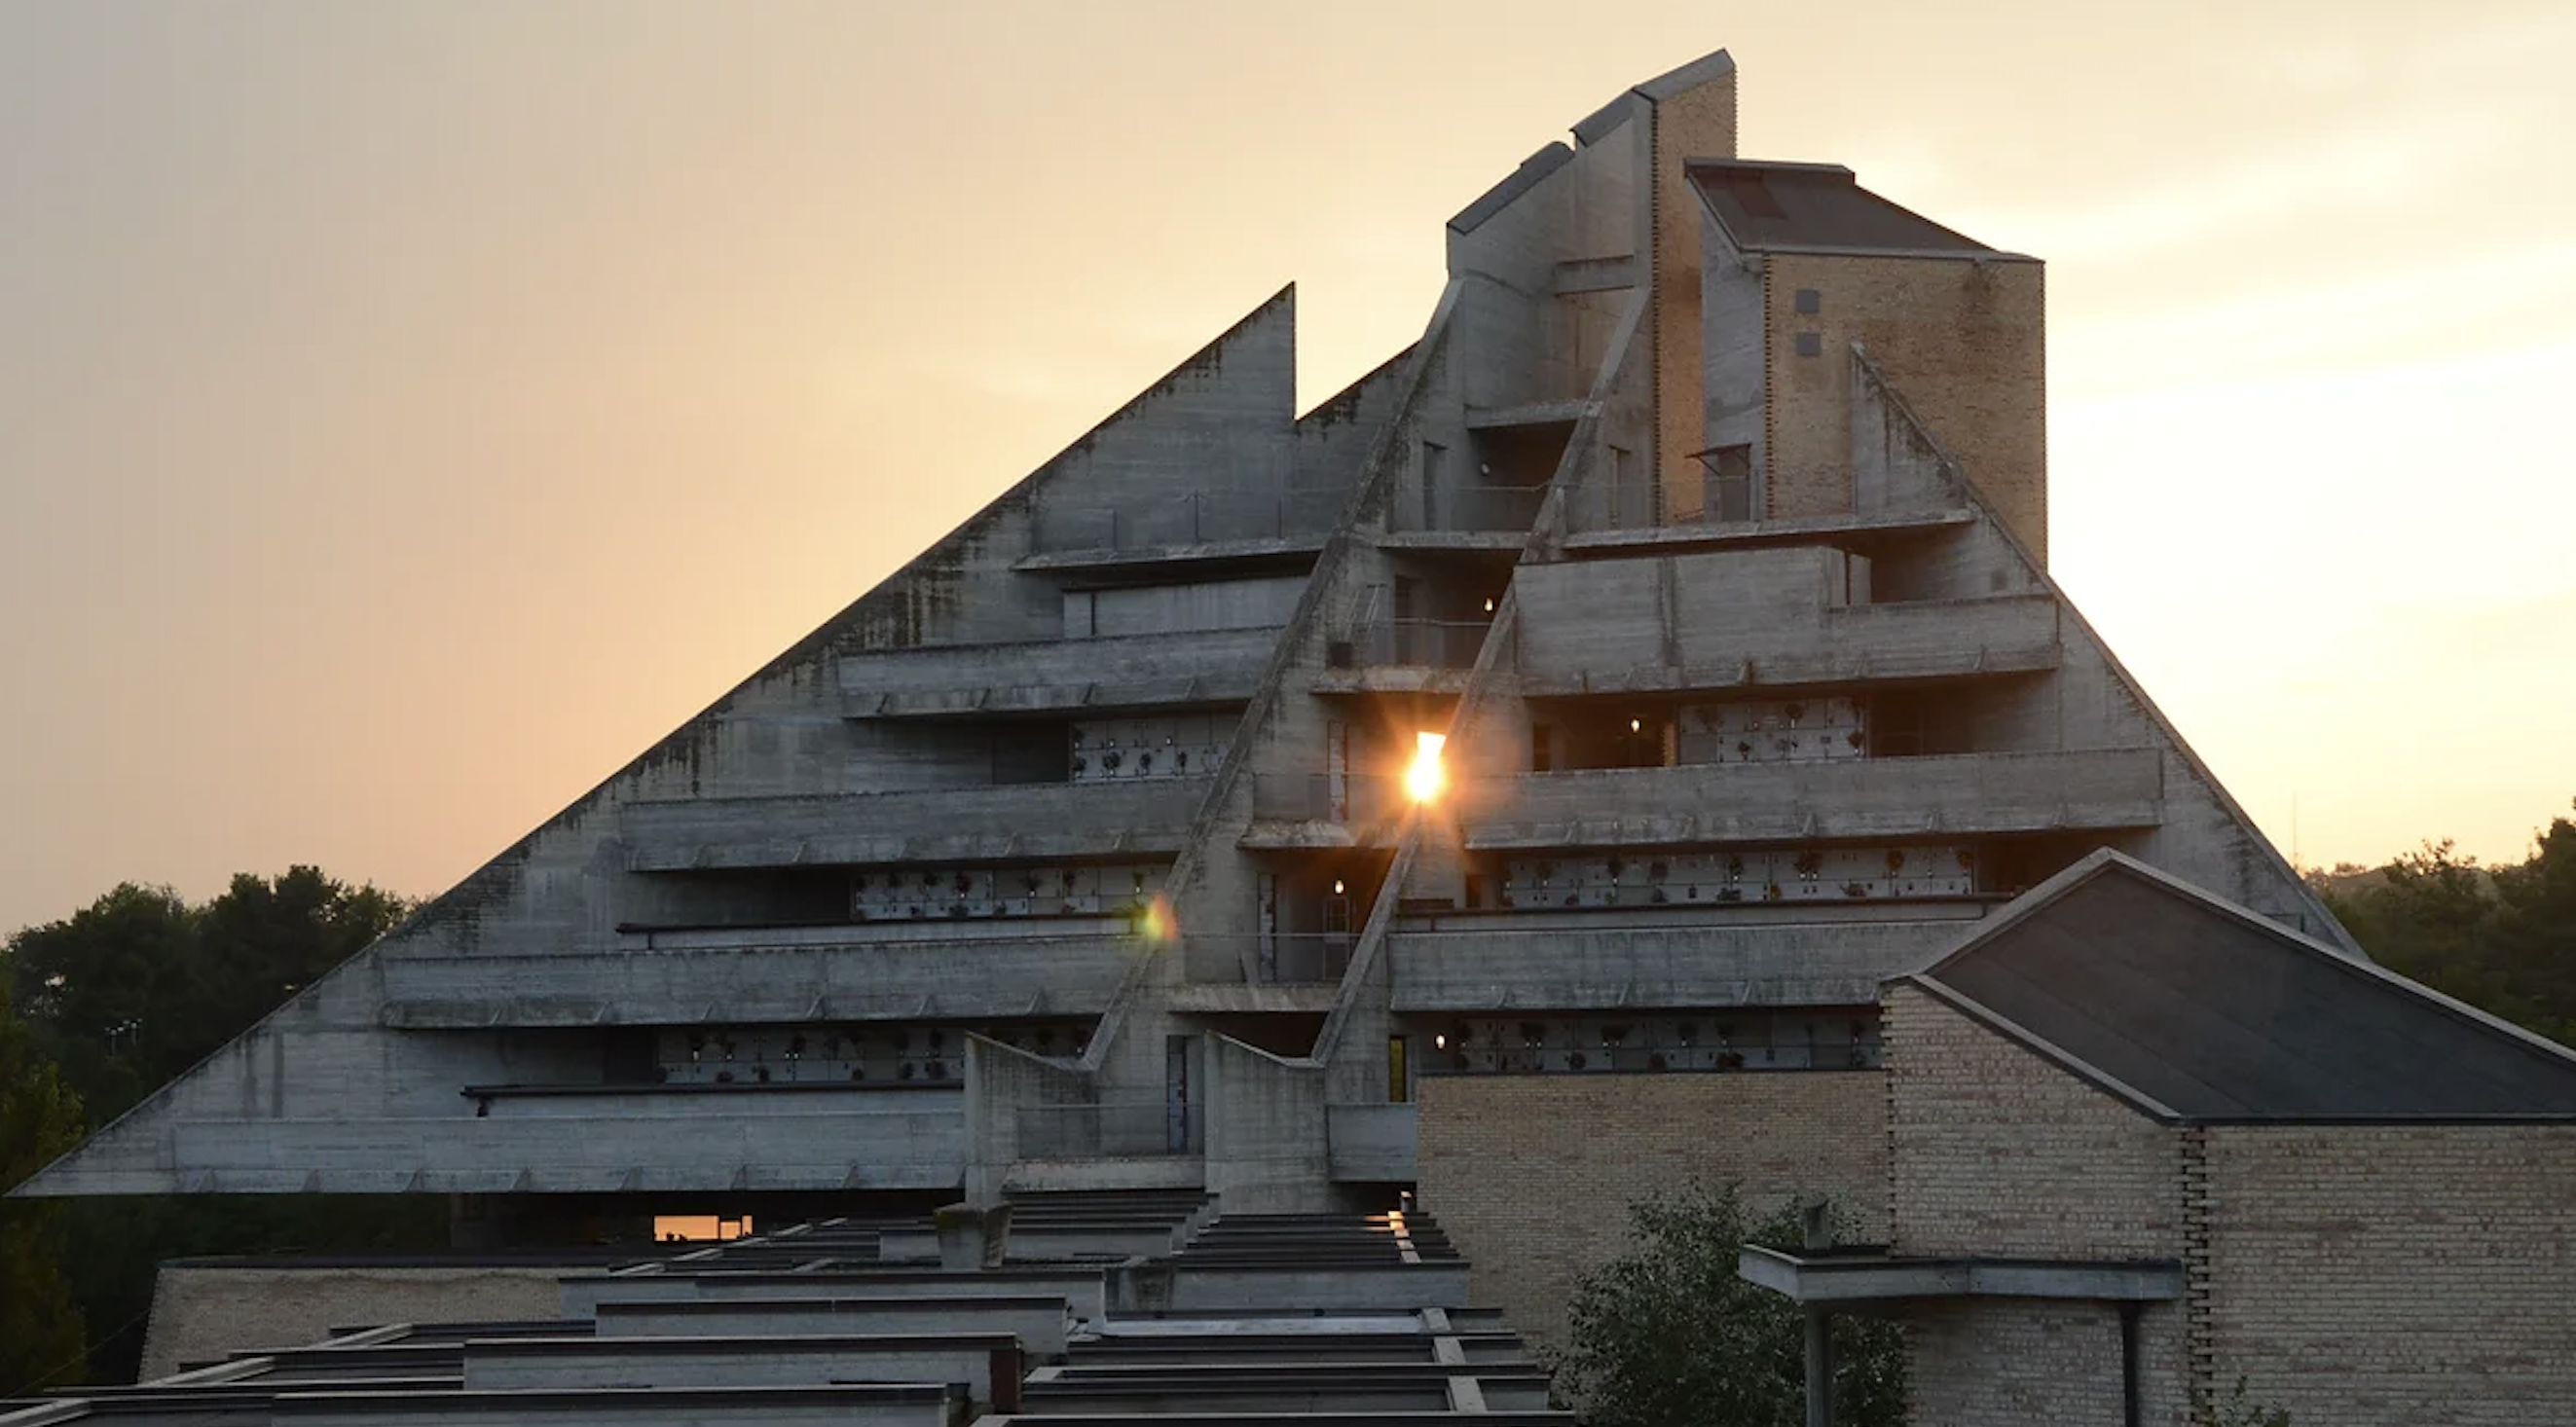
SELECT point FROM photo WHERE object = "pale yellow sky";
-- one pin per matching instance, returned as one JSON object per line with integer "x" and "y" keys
{"x": 408, "y": 411}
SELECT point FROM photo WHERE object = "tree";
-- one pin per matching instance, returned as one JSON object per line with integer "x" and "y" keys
{"x": 264, "y": 940}
{"x": 109, "y": 989}
{"x": 2501, "y": 939}
{"x": 2535, "y": 934}
{"x": 41, "y": 1334}
{"x": 1667, "y": 1335}
{"x": 126, "y": 994}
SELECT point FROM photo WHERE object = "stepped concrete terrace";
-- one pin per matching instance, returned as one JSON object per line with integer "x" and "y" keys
{"x": 1254, "y": 1320}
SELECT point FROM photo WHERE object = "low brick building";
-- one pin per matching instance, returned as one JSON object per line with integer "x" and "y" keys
{"x": 2144, "y": 1144}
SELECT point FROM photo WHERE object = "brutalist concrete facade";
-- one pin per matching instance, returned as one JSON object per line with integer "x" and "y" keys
{"x": 1706, "y": 521}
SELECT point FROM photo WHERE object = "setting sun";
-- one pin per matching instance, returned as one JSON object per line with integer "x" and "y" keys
{"x": 1425, "y": 779}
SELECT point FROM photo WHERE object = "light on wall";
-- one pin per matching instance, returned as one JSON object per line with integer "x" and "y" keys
{"x": 1424, "y": 780}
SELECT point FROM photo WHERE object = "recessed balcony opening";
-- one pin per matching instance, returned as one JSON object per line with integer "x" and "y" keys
{"x": 1496, "y": 485}
{"x": 927, "y": 756}
{"x": 1309, "y": 910}
{"x": 1682, "y": 879}
{"x": 925, "y": 1056}
{"x": 1424, "y": 619}
{"x": 1288, "y": 1033}
{"x": 781, "y": 899}
{"x": 1997, "y": 715}
{"x": 1654, "y": 1042}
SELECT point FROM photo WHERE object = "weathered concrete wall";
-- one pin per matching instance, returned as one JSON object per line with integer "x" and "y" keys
{"x": 1756, "y": 616}
{"x": 1959, "y": 795}
{"x": 1743, "y": 957}
{"x": 1053, "y": 674}
{"x": 1142, "y": 815}
{"x": 1733, "y": 347}
{"x": 2383, "y": 1273}
{"x": 205, "y": 1311}
{"x": 980, "y": 970}
{"x": 1533, "y": 1204}
{"x": 1961, "y": 340}
{"x": 1265, "y": 1154}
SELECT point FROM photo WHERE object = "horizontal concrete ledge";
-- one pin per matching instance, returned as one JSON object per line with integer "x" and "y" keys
{"x": 1834, "y": 529}
{"x": 723, "y": 1345}
{"x": 1878, "y": 1277}
{"x": 1280, "y": 549}
{"x": 1283, "y": 1419}
{"x": 1235, "y": 998}
{"x": 872, "y": 1403}
{"x": 775, "y": 1087}
{"x": 1537, "y": 413}
{"x": 1079, "y": 1288}
{"x": 1040, "y": 1323}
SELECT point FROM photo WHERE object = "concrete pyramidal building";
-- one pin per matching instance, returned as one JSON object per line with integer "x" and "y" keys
{"x": 1707, "y": 524}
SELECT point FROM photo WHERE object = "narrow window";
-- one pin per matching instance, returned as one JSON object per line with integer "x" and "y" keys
{"x": 1398, "y": 1088}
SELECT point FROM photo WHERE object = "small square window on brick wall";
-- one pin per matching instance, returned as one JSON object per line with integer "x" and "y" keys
{"x": 1810, "y": 301}
{"x": 1811, "y": 344}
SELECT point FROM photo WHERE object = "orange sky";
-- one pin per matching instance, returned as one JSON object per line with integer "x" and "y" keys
{"x": 410, "y": 410}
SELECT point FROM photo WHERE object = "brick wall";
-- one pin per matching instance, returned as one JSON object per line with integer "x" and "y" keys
{"x": 2001, "y": 1153}
{"x": 2039, "y": 1364}
{"x": 2386, "y": 1274}
{"x": 1696, "y": 124}
{"x": 206, "y": 1312}
{"x": 1532, "y": 1175}
{"x": 1962, "y": 342}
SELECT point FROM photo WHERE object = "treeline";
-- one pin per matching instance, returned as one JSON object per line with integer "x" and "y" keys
{"x": 98, "y": 1011}
{"x": 2501, "y": 938}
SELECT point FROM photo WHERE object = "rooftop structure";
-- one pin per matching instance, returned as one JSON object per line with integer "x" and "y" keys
{"x": 1626, "y": 677}
{"x": 2145, "y": 1145}
{"x": 827, "y": 1323}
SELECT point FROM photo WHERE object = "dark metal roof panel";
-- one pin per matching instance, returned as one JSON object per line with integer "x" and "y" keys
{"x": 1769, "y": 206}
{"x": 2223, "y": 1019}
{"x": 1521, "y": 180}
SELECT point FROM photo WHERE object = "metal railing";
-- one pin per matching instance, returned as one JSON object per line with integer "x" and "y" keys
{"x": 1192, "y": 518}
{"x": 1509, "y": 509}
{"x": 1648, "y": 505}
{"x": 1306, "y": 958}
{"x": 1324, "y": 797}
{"x": 1418, "y": 643}
{"x": 1127, "y": 1127}
{"x": 1288, "y": 958}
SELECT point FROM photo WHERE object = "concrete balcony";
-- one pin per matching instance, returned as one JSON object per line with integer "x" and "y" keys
{"x": 1195, "y": 526}
{"x": 1214, "y": 666}
{"x": 1369, "y": 1144}
{"x": 1404, "y": 656}
{"x": 598, "y": 1140}
{"x": 1699, "y": 957}
{"x": 1149, "y": 816}
{"x": 986, "y": 969}
{"x": 1875, "y": 798}
{"x": 1563, "y": 652}
{"x": 1320, "y": 810}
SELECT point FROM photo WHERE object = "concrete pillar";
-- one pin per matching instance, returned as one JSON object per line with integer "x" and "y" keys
{"x": 1820, "y": 1368}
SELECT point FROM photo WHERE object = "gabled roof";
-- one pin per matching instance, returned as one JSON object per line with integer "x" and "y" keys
{"x": 2194, "y": 1008}
{"x": 1794, "y": 207}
